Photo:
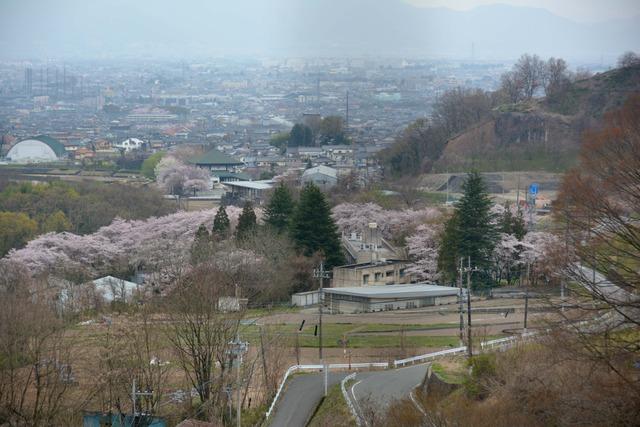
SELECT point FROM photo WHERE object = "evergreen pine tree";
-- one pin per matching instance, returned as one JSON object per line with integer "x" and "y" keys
{"x": 470, "y": 230}
{"x": 313, "y": 229}
{"x": 512, "y": 224}
{"x": 200, "y": 249}
{"x": 448, "y": 258}
{"x": 518, "y": 226}
{"x": 221, "y": 223}
{"x": 278, "y": 212}
{"x": 246, "y": 221}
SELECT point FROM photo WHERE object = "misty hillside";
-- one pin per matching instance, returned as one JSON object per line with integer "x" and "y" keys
{"x": 540, "y": 134}
{"x": 311, "y": 27}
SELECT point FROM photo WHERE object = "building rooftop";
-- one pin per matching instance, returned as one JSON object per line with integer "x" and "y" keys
{"x": 395, "y": 291}
{"x": 214, "y": 157}
{"x": 254, "y": 185}
{"x": 324, "y": 170}
{"x": 227, "y": 175}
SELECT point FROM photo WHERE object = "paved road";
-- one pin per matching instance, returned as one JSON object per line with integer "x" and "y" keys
{"x": 625, "y": 303}
{"x": 300, "y": 399}
{"x": 376, "y": 390}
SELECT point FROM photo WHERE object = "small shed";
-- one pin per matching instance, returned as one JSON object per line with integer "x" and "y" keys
{"x": 304, "y": 299}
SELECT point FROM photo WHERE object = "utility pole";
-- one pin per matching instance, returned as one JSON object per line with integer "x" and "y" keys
{"x": 468, "y": 270}
{"x": 321, "y": 274}
{"x": 135, "y": 393}
{"x": 448, "y": 179}
{"x": 346, "y": 127}
{"x": 469, "y": 345}
{"x": 238, "y": 348}
{"x": 526, "y": 297}
{"x": 461, "y": 304}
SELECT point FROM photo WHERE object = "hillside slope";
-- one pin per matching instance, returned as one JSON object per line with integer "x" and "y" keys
{"x": 541, "y": 134}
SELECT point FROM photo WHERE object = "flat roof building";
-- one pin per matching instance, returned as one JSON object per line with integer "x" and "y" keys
{"x": 366, "y": 299}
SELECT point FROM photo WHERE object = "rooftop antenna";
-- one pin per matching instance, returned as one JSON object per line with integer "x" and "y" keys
{"x": 318, "y": 94}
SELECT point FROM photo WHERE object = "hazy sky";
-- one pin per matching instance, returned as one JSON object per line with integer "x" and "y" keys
{"x": 478, "y": 29}
{"x": 577, "y": 10}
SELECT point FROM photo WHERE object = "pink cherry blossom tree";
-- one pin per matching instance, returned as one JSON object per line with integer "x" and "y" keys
{"x": 394, "y": 225}
{"x": 156, "y": 244}
{"x": 506, "y": 258}
{"x": 423, "y": 247}
{"x": 175, "y": 177}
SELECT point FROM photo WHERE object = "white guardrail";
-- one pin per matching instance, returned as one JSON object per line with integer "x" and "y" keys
{"x": 396, "y": 363}
{"x": 296, "y": 368}
{"x": 429, "y": 356}
{"x": 345, "y": 395}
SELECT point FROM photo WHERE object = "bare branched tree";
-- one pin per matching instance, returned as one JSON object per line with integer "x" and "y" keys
{"x": 599, "y": 203}
{"x": 35, "y": 369}
{"x": 200, "y": 332}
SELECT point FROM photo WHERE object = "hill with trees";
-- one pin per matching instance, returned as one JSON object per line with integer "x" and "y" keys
{"x": 515, "y": 127}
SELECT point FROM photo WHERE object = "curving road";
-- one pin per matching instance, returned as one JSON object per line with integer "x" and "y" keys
{"x": 300, "y": 399}
{"x": 375, "y": 391}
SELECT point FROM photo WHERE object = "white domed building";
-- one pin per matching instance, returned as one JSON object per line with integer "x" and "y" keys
{"x": 39, "y": 149}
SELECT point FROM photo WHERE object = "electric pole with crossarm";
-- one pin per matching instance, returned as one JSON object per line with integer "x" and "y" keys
{"x": 321, "y": 274}
{"x": 468, "y": 269}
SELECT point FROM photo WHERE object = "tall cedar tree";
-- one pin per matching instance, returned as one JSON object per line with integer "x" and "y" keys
{"x": 200, "y": 249}
{"x": 448, "y": 255}
{"x": 512, "y": 224}
{"x": 221, "y": 223}
{"x": 471, "y": 232}
{"x": 313, "y": 229}
{"x": 246, "y": 221}
{"x": 278, "y": 212}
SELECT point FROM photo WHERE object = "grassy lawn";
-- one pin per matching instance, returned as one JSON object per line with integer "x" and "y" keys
{"x": 276, "y": 309}
{"x": 333, "y": 411}
{"x": 374, "y": 335}
{"x": 452, "y": 373}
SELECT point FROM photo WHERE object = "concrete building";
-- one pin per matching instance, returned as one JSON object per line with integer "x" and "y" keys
{"x": 366, "y": 299}
{"x": 322, "y": 176}
{"x": 251, "y": 191}
{"x": 41, "y": 148}
{"x": 368, "y": 246}
{"x": 379, "y": 273}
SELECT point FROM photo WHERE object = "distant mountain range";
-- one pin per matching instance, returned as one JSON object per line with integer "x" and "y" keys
{"x": 99, "y": 28}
